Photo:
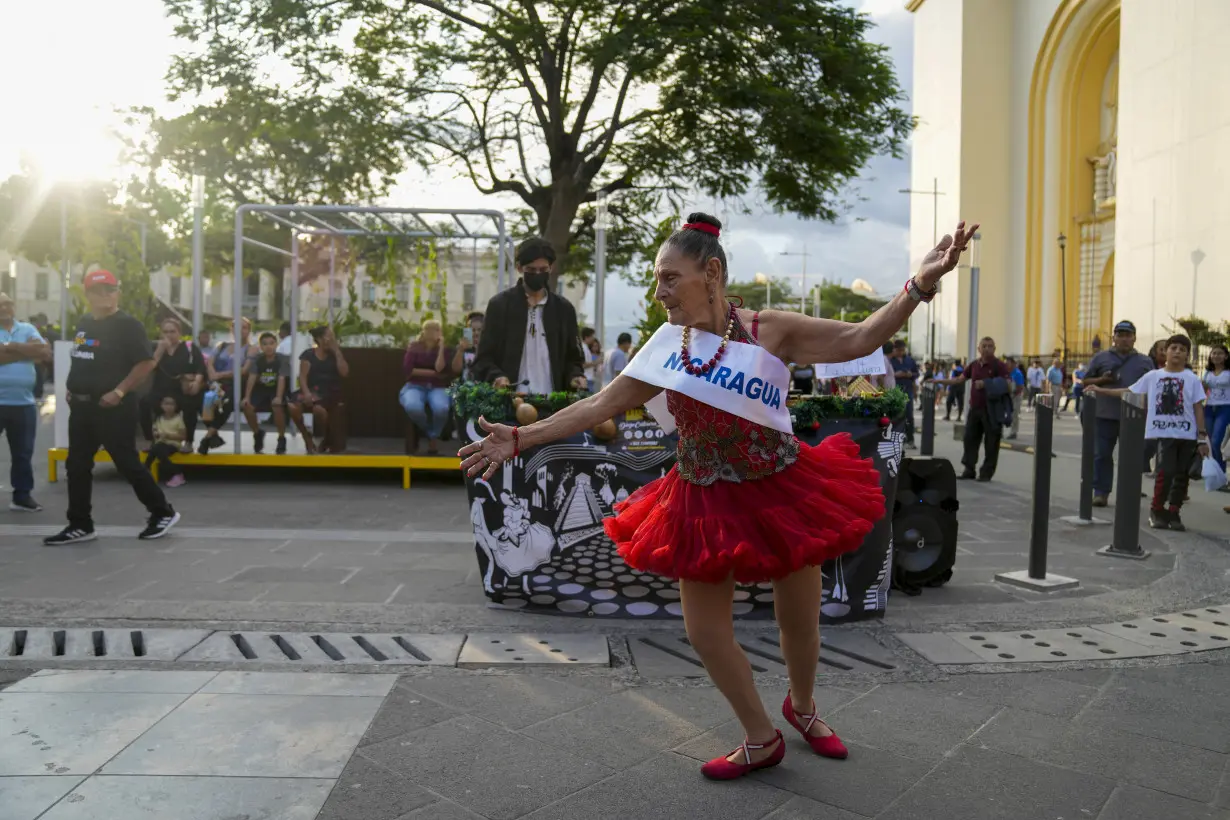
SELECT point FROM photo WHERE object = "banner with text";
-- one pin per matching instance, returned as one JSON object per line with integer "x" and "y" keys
{"x": 541, "y": 546}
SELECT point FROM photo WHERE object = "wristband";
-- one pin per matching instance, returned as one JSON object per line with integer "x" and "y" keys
{"x": 516, "y": 443}
{"x": 916, "y": 293}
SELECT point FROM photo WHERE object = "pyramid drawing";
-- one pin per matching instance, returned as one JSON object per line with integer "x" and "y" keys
{"x": 580, "y": 516}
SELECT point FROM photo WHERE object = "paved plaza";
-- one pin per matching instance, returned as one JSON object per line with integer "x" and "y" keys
{"x": 220, "y": 695}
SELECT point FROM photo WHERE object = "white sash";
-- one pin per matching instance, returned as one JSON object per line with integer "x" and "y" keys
{"x": 748, "y": 381}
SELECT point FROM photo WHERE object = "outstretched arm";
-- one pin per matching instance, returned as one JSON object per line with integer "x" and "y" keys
{"x": 486, "y": 455}
{"x": 798, "y": 338}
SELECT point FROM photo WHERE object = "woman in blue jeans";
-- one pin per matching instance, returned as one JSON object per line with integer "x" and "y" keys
{"x": 427, "y": 379}
{"x": 1217, "y": 404}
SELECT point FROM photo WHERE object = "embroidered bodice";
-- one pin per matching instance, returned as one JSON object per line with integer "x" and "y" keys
{"x": 718, "y": 446}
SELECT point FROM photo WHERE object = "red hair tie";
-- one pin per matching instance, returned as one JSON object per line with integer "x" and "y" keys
{"x": 702, "y": 226}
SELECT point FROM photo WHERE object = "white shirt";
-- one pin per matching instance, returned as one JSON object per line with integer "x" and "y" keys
{"x": 616, "y": 361}
{"x": 889, "y": 379}
{"x": 1218, "y": 386}
{"x": 1036, "y": 376}
{"x": 535, "y": 357}
{"x": 284, "y": 345}
{"x": 1172, "y": 403}
{"x": 595, "y": 375}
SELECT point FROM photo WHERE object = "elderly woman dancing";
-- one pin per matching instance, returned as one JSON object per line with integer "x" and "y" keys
{"x": 746, "y": 501}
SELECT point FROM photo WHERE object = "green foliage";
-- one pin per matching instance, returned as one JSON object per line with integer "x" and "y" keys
{"x": 814, "y": 409}
{"x": 551, "y": 101}
{"x": 1202, "y": 333}
{"x": 472, "y": 400}
{"x": 755, "y": 296}
{"x": 100, "y": 234}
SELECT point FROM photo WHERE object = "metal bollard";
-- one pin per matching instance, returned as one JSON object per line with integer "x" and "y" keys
{"x": 927, "y": 446}
{"x": 1126, "y": 543}
{"x": 1036, "y": 577}
{"x": 1089, "y": 420}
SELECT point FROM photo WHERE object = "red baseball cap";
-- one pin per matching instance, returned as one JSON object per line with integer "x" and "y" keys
{"x": 99, "y": 277}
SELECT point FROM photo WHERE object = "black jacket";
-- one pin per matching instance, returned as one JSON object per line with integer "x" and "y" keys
{"x": 503, "y": 340}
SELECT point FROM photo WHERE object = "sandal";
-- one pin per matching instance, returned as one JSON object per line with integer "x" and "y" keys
{"x": 826, "y": 746}
{"x": 720, "y": 768}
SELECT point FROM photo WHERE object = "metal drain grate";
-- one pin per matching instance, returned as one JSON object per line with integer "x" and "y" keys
{"x": 672, "y": 656}
{"x": 1185, "y": 632}
{"x": 28, "y": 643}
{"x": 1051, "y": 645}
{"x": 534, "y": 650}
{"x": 1195, "y": 630}
{"x": 328, "y": 648}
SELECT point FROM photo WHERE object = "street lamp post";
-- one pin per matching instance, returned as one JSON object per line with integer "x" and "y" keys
{"x": 803, "y": 282}
{"x": 600, "y": 227}
{"x": 935, "y": 193}
{"x": 1197, "y": 258}
{"x": 1063, "y": 284}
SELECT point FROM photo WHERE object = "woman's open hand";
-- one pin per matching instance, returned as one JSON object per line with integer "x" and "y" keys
{"x": 944, "y": 256}
{"x": 487, "y": 454}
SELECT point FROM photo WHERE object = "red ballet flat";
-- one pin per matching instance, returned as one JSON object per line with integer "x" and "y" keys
{"x": 722, "y": 769}
{"x": 827, "y": 746}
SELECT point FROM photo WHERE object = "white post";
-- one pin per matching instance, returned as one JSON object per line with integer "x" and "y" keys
{"x": 803, "y": 285}
{"x": 198, "y": 254}
{"x": 332, "y": 270}
{"x": 971, "y": 352}
{"x": 236, "y": 312}
{"x": 64, "y": 269}
{"x": 600, "y": 270}
{"x": 294, "y": 303}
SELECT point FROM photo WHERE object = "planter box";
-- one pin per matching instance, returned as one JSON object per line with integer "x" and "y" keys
{"x": 541, "y": 547}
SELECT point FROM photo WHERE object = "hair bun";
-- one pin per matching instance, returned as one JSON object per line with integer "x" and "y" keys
{"x": 705, "y": 219}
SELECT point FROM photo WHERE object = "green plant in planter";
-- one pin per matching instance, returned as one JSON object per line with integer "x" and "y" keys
{"x": 471, "y": 400}
{"x": 809, "y": 412}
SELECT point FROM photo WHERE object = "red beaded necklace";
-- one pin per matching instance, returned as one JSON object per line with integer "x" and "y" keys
{"x": 709, "y": 365}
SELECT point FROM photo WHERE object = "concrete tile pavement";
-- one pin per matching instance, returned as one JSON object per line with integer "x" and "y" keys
{"x": 448, "y": 744}
{"x": 179, "y": 745}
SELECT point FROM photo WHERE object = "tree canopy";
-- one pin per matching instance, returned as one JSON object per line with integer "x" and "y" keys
{"x": 553, "y": 102}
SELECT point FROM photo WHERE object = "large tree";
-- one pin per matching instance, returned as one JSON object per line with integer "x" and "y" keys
{"x": 554, "y": 102}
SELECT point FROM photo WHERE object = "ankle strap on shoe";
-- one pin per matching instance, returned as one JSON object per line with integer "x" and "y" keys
{"x": 811, "y": 718}
{"x": 747, "y": 746}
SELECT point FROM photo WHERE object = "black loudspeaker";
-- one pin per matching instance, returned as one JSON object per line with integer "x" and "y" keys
{"x": 924, "y": 524}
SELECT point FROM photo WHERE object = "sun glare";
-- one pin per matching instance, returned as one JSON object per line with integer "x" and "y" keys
{"x": 71, "y": 153}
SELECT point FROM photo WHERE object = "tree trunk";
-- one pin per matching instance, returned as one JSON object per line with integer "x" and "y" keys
{"x": 556, "y": 224}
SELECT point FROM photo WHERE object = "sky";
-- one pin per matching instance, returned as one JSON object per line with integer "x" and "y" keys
{"x": 118, "y": 61}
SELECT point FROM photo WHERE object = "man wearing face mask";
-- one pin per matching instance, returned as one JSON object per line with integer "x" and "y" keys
{"x": 529, "y": 341}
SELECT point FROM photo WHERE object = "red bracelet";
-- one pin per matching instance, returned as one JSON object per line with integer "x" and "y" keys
{"x": 516, "y": 443}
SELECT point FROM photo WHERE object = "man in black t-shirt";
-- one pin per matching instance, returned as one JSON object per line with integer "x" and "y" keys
{"x": 110, "y": 358}
{"x": 265, "y": 391}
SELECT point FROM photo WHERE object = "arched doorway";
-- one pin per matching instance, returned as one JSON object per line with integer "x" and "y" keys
{"x": 1073, "y": 138}
{"x": 1106, "y": 298}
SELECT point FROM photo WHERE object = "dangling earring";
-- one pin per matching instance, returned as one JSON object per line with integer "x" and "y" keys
{"x": 711, "y": 296}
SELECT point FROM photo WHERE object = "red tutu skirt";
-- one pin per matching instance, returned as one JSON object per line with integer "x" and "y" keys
{"x": 758, "y": 530}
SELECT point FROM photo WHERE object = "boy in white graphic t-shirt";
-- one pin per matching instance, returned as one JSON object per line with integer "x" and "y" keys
{"x": 1176, "y": 420}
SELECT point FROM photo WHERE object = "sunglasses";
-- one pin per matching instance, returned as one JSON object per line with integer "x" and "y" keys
{"x": 536, "y": 270}
{"x": 103, "y": 289}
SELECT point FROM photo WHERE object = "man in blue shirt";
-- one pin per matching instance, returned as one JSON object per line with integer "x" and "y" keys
{"x": 20, "y": 347}
{"x": 1120, "y": 366}
{"x": 905, "y": 369}
{"x": 1054, "y": 377}
{"x": 1018, "y": 395}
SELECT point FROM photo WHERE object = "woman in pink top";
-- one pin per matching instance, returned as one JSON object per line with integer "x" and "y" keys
{"x": 427, "y": 379}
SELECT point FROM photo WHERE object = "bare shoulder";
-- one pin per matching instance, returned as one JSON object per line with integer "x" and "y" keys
{"x": 772, "y": 327}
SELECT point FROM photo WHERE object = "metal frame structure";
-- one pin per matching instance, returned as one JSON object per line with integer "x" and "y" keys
{"x": 349, "y": 221}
